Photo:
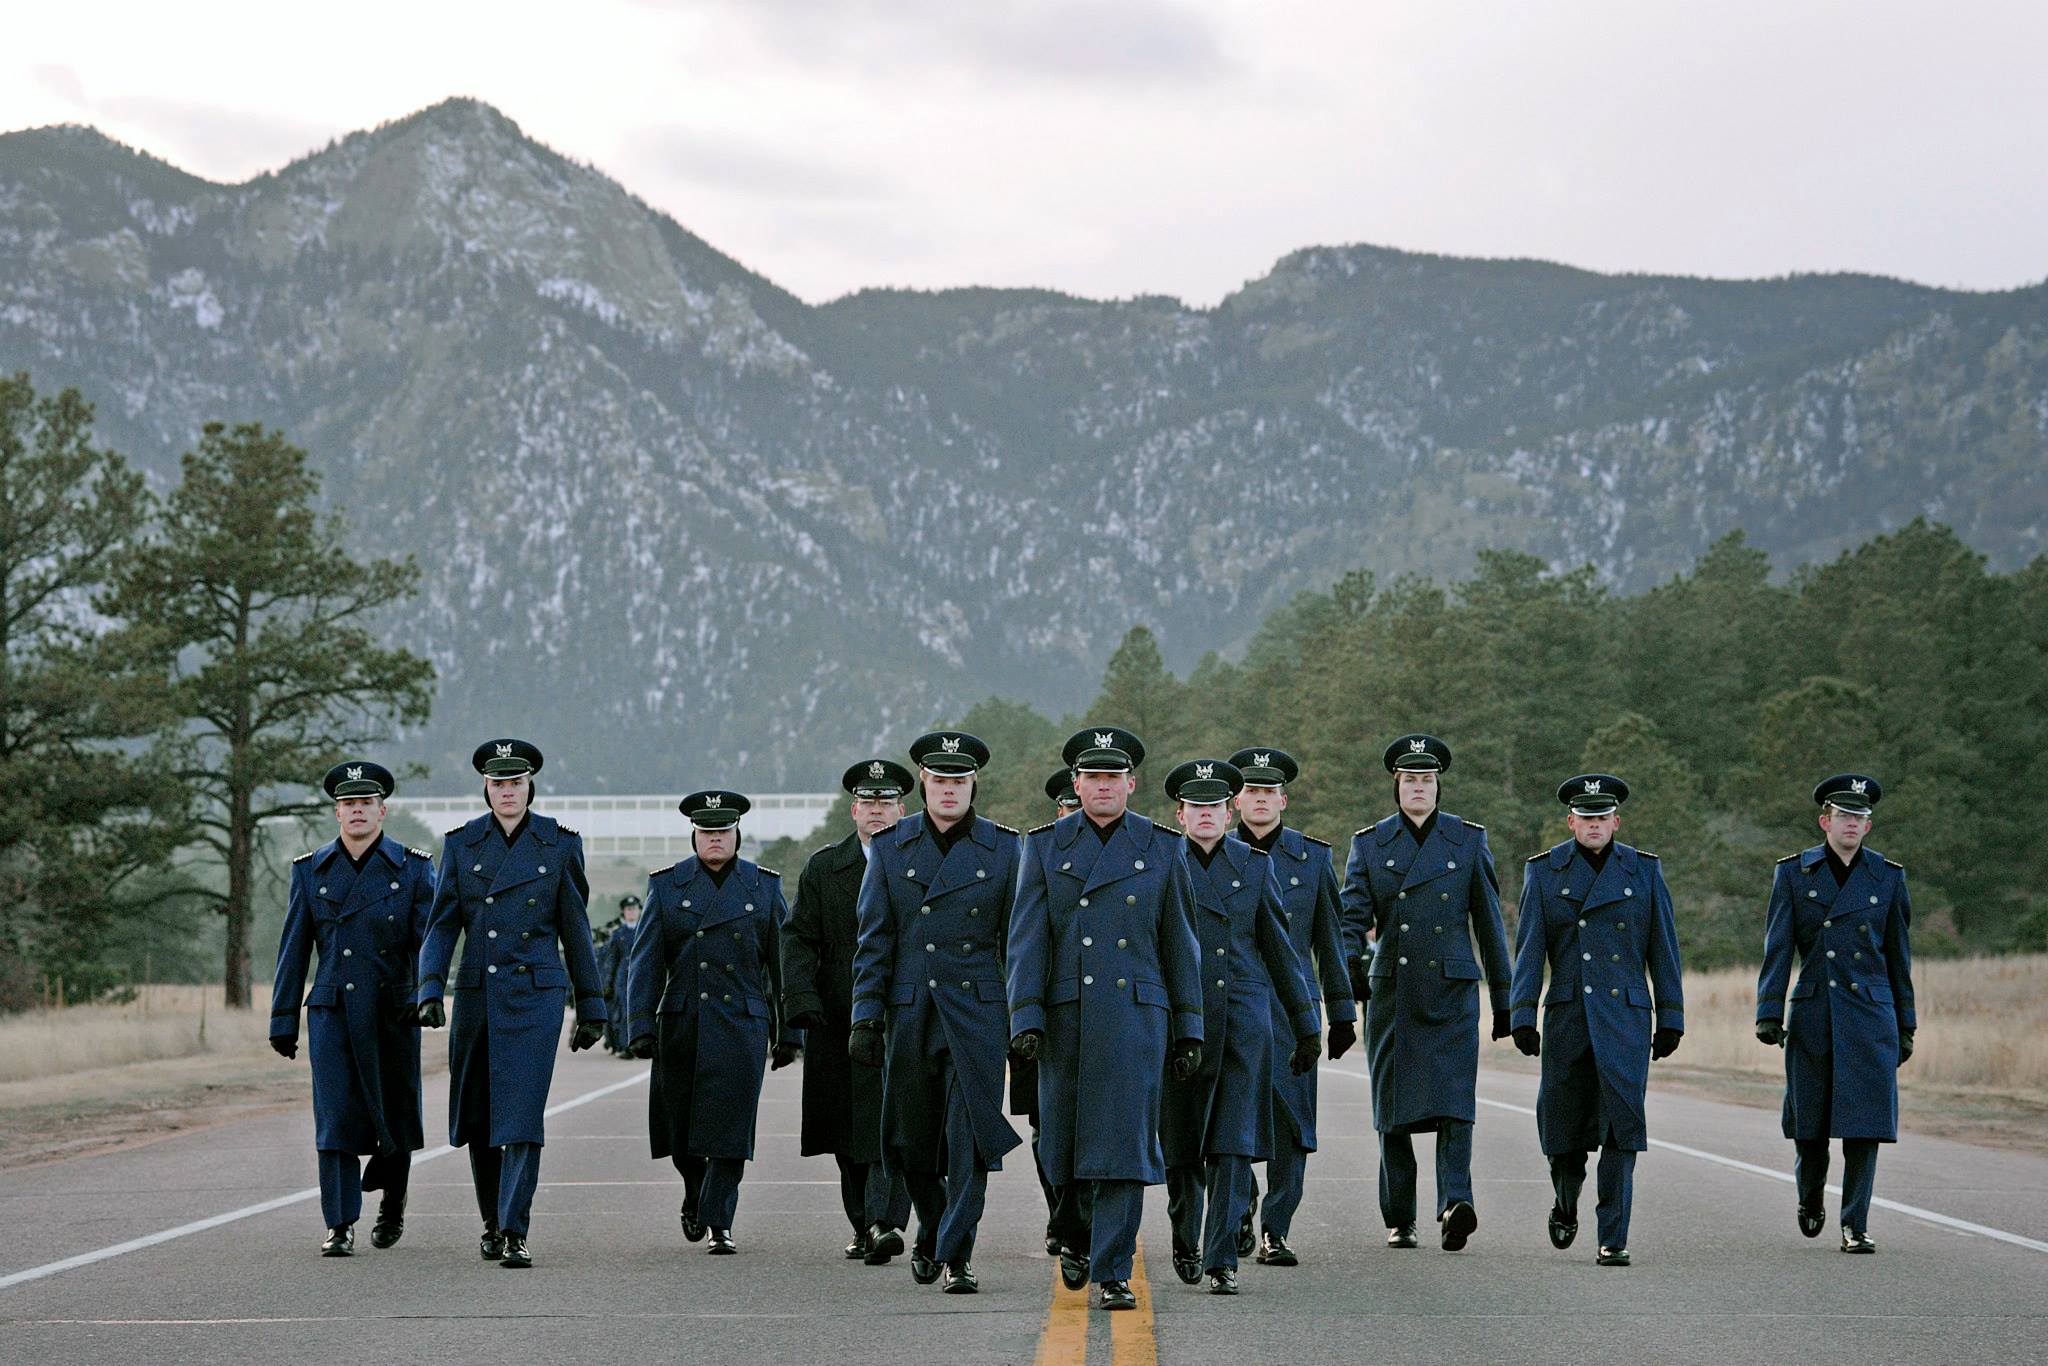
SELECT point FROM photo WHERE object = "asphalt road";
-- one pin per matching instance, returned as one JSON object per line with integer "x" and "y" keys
{"x": 1721, "y": 1274}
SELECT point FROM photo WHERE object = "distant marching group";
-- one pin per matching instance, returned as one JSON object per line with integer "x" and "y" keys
{"x": 1151, "y": 1000}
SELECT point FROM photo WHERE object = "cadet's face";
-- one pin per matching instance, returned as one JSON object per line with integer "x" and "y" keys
{"x": 873, "y": 815}
{"x": 508, "y": 795}
{"x": 360, "y": 818}
{"x": 1594, "y": 832}
{"x": 1844, "y": 830}
{"x": 1261, "y": 807}
{"x": 716, "y": 847}
{"x": 1104, "y": 795}
{"x": 948, "y": 795}
{"x": 630, "y": 914}
{"x": 1416, "y": 792}
{"x": 1206, "y": 823}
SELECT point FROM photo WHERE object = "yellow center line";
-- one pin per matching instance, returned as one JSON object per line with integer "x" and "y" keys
{"x": 1130, "y": 1333}
{"x": 1065, "y": 1339}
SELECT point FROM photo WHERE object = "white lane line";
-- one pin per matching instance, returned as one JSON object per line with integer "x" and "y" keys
{"x": 36, "y": 1273}
{"x": 1737, "y": 1164}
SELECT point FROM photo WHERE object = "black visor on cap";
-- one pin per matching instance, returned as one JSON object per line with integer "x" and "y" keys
{"x": 950, "y": 752}
{"x": 358, "y": 778}
{"x": 1417, "y": 754}
{"x": 505, "y": 759}
{"x": 1204, "y": 782}
{"x": 877, "y": 779}
{"x": 1855, "y": 793}
{"x": 1103, "y": 749}
{"x": 1593, "y": 794}
{"x": 714, "y": 808}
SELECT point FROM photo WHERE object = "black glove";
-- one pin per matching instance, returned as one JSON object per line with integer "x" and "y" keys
{"x": 782, "y": 1055}
{"x": 642, "y": 1047}
{"x": 587, "y": 1033}
{"x": 431, "y": 1014}
{"x": 1905, "y": 1045}
{"x": 1529, "y": 1041}
{"x": 288, "y": 1046}
{"x": 1361, "y": 980}
{"x": 1665, "y": 1042}
{"x": 1343, "y": 1034}
{"x": 1771, "y": 1033}
{"x": 1024, "y": 1048}
{"x": 864, "y": 1044}
{"x": 1501, "y": 1028}
{"x": 810, "y": 1019}
{"x": 1185, "y": 1058}
{"x": 1307, "y": 1049}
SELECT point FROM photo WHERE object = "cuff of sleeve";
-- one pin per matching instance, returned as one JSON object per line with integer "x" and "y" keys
{"x": 1027, "y": 1016}
{"x": 1497, "y": 997}
{"x": 795, "y": 1003}
{"x": 590, "y": 1010}
{"x": 284, "y": 1027}
{"x": 1769, "y": 1010}
{"x": 1307, "y": 1022}
{"x": 1673, "y": 1018}
{"x": 1187, "y": 1024}
{"x": 1523, "y": 1017}
{"x": 430, "y": 990}
{"x": 867, "y": 1008}
{"x": 1906, "y": 1020}
{"x": 1343, "y": 1010}
{"x": 638, "y": 1028}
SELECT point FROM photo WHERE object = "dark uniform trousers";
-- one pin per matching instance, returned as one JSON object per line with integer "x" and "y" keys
{"x": 1398, "y": 1172}
{"x": 711, "y": 1186}
{"x": 870, "y": 1194}
{"x": 1204, "y": 1204}
{"x": 505, "y": 1180}
{"x": 1102, "y": 1216}
{"x": 1859, "y": 1177}
{"x": 343, "y": 1179}
{"x": 949, "y": 1206}
{"x": 1614, "y": 1186}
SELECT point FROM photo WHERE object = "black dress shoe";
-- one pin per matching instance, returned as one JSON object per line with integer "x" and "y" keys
{"x": 491, "y": 1246}
{"x": 1223, "y": 1281}
{"x": 1117, "y": 1295}
{"x": 1073, "y": 1268}
{"x": 1187, "y": 1264}
{"x": 957, "y": 1278}
{"x": 1458, "y": 1222}
{"x": 1403, "y": 1236}
{"x": 1273, "y": 1251}
{"x": 1612, "y": 1256}
{"x": 860, "y": 1247}
{"x": 1246, "y": 1238}
{"x": 1812, "y": 1219}
{"x": 1857, "y": 1242}
{"x": 390, "y": 1225}
{"x": 341, "y": 1242}
{"x": 1052, "y": 1246}
{"x": 923, "y": 1269}
{"x": 517, "y": 1255}
{"x": 883, "y": 1243}
{"x": 722, "y": 1244}
{"x": 1562, "y": 1230}
{"x": 693, "y": 1227}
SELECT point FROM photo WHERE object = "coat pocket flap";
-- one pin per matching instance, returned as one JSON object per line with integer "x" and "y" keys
{"x": 468, "y": 979}
{"x": 990, "y": 991}
{"x": 325, "y": 994}
{"x": 1458, "y": 970}
{"x": 1880, "y": 992}
{"x": 757, "y": 1006}
{"x": 902, "y": 993}
{"x": 1559, "y": 993}
{"x": 1801, "y": 990}
{"x": 1063, "y": 991}
{"x": 1639, "y": 996}
{"x": 1150, "y": 994}
{"x": 545, "y": 976}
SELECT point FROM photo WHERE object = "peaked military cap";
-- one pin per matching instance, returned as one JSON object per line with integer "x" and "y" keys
{"x": 1103, "y": 749}
{"x": 1855, "y": 793}
{"x": 714, "y": 808}
{"x": 1593, "y": 794}
{"x": 1204, "y": 782}
{"x": 949, "y": 751}
{"x": 628, "y": 900}
{"x": 1417, "y": 754}
{"x": 505, "y": 759}
{"x": 1264, "y": 766}
{"x": 877, "y": 779}
{"x": 358, "y": 778}
{"x": 1060, "y": 787}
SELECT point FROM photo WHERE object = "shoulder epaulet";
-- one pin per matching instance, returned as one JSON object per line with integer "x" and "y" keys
{"x": 1262, "y": 853}
{"x": 456, "y": 831}
{"x": 567, "y": 831}
{"x": 419, "y": 853}
{"x": 1472, "y": 825}
{"x": 1788, "y": 858}
{"x": 1644, "y": 853}
{"x": 1313, "y": 840}
{"x": 1541, "y": 853}
{"x": 769, "y": 871}
{"x": 1362, "y": 830}
{"x": 1041, "y": 829}
{"x": 1170, "y": 834}
{"x": 1890, "y": 864}
{"x": 657, "y": 872}
{"x": 1007, "y": 830}
{"x": 303, "y": 857}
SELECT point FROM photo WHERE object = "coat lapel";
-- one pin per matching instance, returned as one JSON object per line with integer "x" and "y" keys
{"x": 1615, "y": 881}
{"x": 957, "y": 868}
{"x": 531, "y": 856}
{"x": 1438, "y": 856}
{"x": 379, "y": 879}
{"x": 738, "y": 897}
{"x": 1128, "y": 853}
{"x": 334, "y": 882}
{"x": 1077, "y": 848}
{"x": 1819, "y": 889}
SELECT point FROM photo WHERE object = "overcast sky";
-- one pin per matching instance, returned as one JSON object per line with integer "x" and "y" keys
{"x": 1118, "y": 147}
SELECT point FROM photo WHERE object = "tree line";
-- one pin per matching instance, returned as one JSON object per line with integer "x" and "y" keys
{"x": 172, "y": 666}
{"x": 1722, "y": 696}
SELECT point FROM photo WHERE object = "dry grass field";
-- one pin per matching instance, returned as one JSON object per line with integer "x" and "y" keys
{"x": 161, "y": 1023}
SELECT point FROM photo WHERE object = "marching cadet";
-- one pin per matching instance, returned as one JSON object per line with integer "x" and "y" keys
{"x": 705, "y": 988}
{"x": 1214, "y": 1124}
{"x": 1306, "y": 876}
{"x": 511, "y": 884}
{"x": 363, "y": 898}
{"x": 611, "y": 971}
{"x": 1059, "y": 790}
{"x": 1844, "y": 910}
{"x": 1599, "y": 914}
{"x": 1419, "y": 888}
{"x": 843, "y": 1098}
{"x": 942, "y": 878}
{"x": 1105, "y": 984}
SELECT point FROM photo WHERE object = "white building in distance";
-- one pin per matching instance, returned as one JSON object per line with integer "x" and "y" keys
{"x": 638, "y": 827}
